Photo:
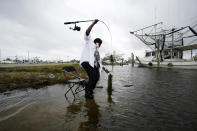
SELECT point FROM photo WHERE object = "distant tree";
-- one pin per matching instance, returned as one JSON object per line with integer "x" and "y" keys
{"x": 74, "y": 61}
{"x": 8, "y": 59}
{"x": 195, "y": 57}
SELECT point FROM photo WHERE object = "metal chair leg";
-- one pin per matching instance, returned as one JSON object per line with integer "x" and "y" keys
{"x": 70, "y": 88}
{"x": 74, "y": 91}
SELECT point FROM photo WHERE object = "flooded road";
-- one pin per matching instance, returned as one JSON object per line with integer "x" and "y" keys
{"x": 138, "y": 99}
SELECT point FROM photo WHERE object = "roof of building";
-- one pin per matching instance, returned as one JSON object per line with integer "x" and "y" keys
{"x": 186, "y": 47}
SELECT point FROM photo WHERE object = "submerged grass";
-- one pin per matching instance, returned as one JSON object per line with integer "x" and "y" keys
{"x": 35, "y": 76}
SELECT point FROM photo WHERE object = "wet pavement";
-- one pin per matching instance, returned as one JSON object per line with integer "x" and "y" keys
{"x": 138, "y": 99}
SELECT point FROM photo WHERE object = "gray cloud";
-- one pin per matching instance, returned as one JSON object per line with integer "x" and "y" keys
{"x": 37, "y": 26}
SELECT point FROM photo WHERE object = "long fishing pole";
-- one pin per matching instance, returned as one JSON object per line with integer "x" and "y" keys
{"x": 77, "y": 28}
{"x": 74, "y": 22}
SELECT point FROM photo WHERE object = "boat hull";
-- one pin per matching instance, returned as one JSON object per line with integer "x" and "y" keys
{"x": 170, "y": 64}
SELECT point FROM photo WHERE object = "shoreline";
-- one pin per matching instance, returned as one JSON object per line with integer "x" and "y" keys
{"x": 35, "y": 76}
{"x": 28, "y": 64}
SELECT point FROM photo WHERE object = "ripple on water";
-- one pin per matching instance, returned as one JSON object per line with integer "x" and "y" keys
{"x": 158, "y": 100}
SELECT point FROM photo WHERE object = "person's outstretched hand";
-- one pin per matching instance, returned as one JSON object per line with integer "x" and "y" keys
{"x": 105, "y": 70}
{"x": 95, "y": 21}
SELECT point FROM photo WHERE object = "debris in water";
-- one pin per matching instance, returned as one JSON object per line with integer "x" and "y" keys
{"x": 99, "y": 87}
{"x": 128, "y": 85}
{"x": 51, "y": 75}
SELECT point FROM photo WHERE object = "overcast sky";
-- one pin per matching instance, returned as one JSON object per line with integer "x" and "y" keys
{"x": 37, "y": 25}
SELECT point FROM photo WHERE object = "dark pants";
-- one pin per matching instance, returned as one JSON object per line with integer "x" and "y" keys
{"x": 93, "y": 75}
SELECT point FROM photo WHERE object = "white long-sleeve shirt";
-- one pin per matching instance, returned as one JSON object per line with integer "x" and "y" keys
{"x": 88, "y": 52}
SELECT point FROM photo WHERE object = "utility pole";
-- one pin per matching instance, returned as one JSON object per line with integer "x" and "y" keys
{"x": 0, "y": 55}
{"x": 68, "y": 59}
{"x": 28, "y": 56}
{"x": 172, "y": 45}
{"x": 122, "y": 62}
{"x": 16, "y": 59}
{"x": 158, "y": 53}
{"x": 132, "y": 59}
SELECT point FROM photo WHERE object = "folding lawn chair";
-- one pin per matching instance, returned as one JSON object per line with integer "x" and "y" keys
{"x": 72, "y": 83}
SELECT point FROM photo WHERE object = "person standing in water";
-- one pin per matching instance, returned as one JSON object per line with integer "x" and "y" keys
{"x": 91, "y": 62}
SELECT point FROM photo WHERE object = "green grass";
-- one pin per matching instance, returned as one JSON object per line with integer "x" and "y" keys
{"x": 35, "y": 76}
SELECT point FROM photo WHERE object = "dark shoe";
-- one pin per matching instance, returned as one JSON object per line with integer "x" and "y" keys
{"x": 91, "y": 92}
{"x": 89, "y": 96}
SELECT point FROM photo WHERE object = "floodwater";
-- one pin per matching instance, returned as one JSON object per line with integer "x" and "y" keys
{"x": 138, "y": 99}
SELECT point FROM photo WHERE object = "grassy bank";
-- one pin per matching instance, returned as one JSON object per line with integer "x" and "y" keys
{"x": 35, "y": 76}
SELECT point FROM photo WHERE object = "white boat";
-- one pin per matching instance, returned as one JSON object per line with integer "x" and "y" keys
{"x": 168, "y": 47}
{"x": 151, "y": 61}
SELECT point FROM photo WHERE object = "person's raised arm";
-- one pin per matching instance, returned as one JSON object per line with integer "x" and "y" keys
{"x": 90, "y": 27}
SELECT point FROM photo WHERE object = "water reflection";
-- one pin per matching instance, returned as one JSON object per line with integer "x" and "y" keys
{"x": 93, "y": 116}
{"x": 154, "y": 100}
{"x": 72, "y": 111}
{"x": 85, "y": 113}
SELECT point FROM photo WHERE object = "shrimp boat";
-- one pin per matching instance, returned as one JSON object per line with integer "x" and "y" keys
{"x": 167, "y": 46}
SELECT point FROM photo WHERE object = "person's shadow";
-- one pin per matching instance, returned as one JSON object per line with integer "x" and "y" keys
{"x": 93, "y": 116}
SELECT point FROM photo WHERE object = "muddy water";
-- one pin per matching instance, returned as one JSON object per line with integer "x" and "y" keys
{"x": 138, "y": 99}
